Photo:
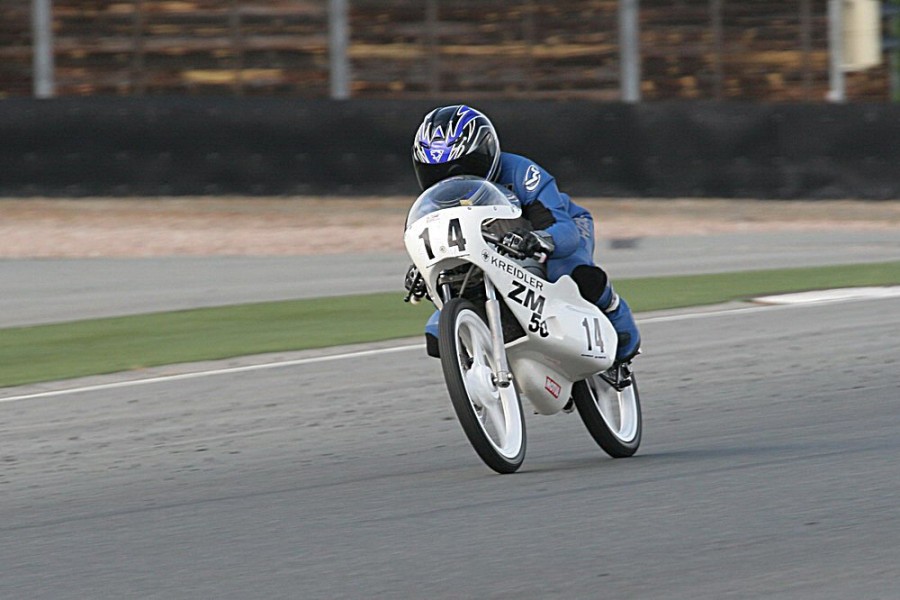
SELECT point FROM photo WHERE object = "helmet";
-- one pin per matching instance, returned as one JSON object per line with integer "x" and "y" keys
{"x": 455, "y": 140}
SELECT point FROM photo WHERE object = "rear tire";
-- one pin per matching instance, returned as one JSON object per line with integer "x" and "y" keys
{"x": 613, "y": 418}
{"x": 491, "y": 416}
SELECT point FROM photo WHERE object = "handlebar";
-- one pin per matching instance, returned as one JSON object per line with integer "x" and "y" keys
{"x": 496, "y": 239}
{"x": 541, "y": 257}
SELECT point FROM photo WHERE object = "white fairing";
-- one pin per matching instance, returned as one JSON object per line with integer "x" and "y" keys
{"x": 567, "y": 338}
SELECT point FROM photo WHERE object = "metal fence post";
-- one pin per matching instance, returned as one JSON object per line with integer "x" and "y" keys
{"x": 837, "y": 91}
{"x": 43, "y": 83}
{"x": 338, "y": 40}
{"x": 629, "y": 51}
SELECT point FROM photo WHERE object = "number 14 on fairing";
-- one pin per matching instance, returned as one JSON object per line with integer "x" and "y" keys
{"x": 593, "y": 332}
{"x": 454, "y": 238}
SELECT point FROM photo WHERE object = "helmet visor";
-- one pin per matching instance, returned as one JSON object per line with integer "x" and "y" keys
{"x": 478, "y": 164}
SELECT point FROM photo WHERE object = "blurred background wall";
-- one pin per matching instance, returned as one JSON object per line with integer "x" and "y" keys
{"x": 618, "y": 97}
{"x": 760, "y": 50}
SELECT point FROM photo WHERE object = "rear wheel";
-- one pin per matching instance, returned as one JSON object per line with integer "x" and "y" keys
{"x": 490, "y": 415}
{"x": 611, "y": 412}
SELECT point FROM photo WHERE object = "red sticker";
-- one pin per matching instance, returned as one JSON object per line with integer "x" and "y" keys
{"x": 552, "y": 387}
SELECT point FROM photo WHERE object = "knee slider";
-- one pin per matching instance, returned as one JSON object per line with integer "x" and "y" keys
{"x": 591, "y": 281}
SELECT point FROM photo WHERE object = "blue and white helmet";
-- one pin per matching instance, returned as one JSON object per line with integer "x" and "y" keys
{"x": 455, "y": 140}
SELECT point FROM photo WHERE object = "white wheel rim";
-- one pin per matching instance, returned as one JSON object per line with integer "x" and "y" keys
{"x": 617, "y": 409}
{"x": 497, "y": 409}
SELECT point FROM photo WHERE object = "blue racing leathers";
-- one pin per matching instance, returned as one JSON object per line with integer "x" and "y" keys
{"x": 548, "y": 209}
{"x": 572, "y": 230}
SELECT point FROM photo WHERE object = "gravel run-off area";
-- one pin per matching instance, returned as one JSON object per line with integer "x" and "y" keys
{"x": 242, "y": 226}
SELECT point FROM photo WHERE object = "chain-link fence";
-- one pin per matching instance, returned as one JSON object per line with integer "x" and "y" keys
{"x": 764, "y": 50}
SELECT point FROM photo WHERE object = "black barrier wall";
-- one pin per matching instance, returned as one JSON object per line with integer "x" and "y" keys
{"x": 205, "y": 146}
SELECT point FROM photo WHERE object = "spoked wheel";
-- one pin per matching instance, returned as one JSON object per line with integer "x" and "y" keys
{"x": 491, "y": 416}
{"x": 611, "y": 411}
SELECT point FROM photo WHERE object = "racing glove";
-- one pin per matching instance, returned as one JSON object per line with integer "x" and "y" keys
{"x": 529, "y": 243}
{"x": 415, "y": 285}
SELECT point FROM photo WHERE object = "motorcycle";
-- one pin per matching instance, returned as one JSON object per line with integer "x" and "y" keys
{"x": 507, "y": 333}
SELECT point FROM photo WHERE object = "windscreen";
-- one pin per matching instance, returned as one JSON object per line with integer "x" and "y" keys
{"x": 464, "y": 190}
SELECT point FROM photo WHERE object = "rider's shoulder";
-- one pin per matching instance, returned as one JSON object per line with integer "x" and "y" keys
{"x": 523, "y": 173}
{"x": 516, "y": 162}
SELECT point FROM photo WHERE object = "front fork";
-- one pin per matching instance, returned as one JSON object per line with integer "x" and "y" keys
{"x": 502, "y": 378}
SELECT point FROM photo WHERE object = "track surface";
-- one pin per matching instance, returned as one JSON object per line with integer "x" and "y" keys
{"x": 769, "y": 470}
{"x": 46, "y": 291}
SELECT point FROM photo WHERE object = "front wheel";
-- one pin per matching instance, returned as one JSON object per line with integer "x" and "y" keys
{"x": 491, "y": 416}
{"x": 611, "y": 415}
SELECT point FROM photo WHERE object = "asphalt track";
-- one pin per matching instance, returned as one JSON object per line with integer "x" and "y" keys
{"x": 768, "y": 470}
{"x": 46, "y": 291}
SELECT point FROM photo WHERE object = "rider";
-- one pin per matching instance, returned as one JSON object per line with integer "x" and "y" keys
{"x": 459, "y": 140}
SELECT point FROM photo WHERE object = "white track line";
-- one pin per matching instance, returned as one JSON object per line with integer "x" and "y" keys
{"x": 362, "y": 353}
{"x": 210, "y": 373}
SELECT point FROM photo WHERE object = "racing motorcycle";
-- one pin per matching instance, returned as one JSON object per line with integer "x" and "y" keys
{"x": 507, "y": 333}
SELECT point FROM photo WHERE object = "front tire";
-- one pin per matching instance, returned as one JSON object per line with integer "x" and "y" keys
{"x": 491, "y": 416}
{"x": 612, "y": 417}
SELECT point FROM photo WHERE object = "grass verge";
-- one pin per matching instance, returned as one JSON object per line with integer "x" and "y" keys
{"x": 65, "y": 350}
